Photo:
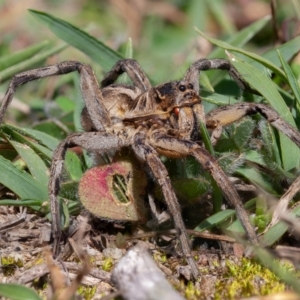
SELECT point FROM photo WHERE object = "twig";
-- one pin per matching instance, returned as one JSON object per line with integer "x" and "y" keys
{"x": 138, "y": 278}
{"x": 284, "y": 201}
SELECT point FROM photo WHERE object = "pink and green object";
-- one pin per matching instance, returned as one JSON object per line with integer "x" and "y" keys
{"x": 115, "y": 191}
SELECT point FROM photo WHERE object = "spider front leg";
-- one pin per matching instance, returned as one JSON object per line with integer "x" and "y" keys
{"x": 134, "y": 71}
{"x": 192, "y": 74}
{"x": 148, "y": 154}
{"x": 88, "y": 84}
{"x": 229, "y": 114}
{"x": 92, "y": 141}
{"x": 182, "y": 148}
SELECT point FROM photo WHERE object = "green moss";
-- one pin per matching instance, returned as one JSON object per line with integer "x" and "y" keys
{"x": 108, "y": 264}
{"x": 191, "y": 291}
{"x": 10, "y": 264}
{"x": 163, "y": 258}
{"x": 246, "y": 279}
{"x": 87, "y": 292}
{"x": 160, "y": 257}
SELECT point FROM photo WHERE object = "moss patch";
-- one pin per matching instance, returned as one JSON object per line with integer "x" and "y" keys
{"x": 247, "y": 278}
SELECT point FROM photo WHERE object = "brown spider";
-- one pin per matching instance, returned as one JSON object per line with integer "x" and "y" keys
{"x": 150, "y": 121}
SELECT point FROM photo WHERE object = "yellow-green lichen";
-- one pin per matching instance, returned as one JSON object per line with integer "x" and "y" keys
{"x": 87, "y": 292}
{"x": 10, "y": 264}
{"x": 245, "y": 279}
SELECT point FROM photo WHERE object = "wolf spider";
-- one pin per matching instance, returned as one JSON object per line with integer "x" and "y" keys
{"x": 150, "y": 121}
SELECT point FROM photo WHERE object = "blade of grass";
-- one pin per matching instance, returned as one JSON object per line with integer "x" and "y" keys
{"x": 290, "y": 153}
{"x": 79, "y": 39}
{"x": 255, "y": 177}
{"x": 41, "y": 206}
{"x": 129, "y": 49}
{"x": 17, "y": 292}
{"x": 217, "y": 9}
{"x": 34, "y": 153}
{"x": 252, "y": 55}
{"x": 292, "y": 81}
{"x": 16, "y": 135}
{"x": 28, "y": 63}
{"x": 20, "y": 56}
{"x": 217, "y": 99}
{"x": 276, "y": 231}
{"x": 41, "y": 137}
{"x": 206, "y": 139}
{"x": 215, "y": 219}
{"x": 217, "y": 192}
{"x": 287, "y": 50}
{"x": 35, "y": 164}
{"x": 21, "y": 183}
{"x": 198, "y": 14}
{"x": 73, "y": 165}
{"x": 222, "y": 216}
{"x": 240, "y": 38}
{"x": 66, "y": 215}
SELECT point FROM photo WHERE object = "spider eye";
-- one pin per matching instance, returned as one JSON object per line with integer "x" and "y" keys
{"x": 182, "y": 88}
{"x": 191, "y": 86}
{"x": 176, "y": 111}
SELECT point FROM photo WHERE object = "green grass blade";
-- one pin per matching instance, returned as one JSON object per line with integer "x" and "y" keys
{"x": 17, "y": 292}
{"x": 252, "y": 55}
{"x": 206, "y": 139}
{"x": 28, "y": 63}
{"x": 79, "y": 39}
{"x": 198, "y": 14}
{"x": 24, "y": 202}
{"x": 225, "y": 22}
{"x": 66, "y": 216}
{"x": 277, "y": 231}
{"x": 255, "y": 177}
{"x": 41, "y": 137}
{"x": 235, "y": 227}
{"x": 217, "y": 192}
{"x": 217, "y": 99}
{"x": 16, "y": 134}
{"x": 287, "y": 50}
{"x": 34, "y": 154}
{"x": 222, "y": 216}
{"x": 17, "y": 57}
{"x": 290, "y": 153}
{"x": 21, "y": 183}
{"x": 129, "y": 49}
{"x": 73, "y": 165}
{"x": 264, "y": 85}
{"x": 35, "y": 164}
{"x": 292, "y": 81}
{"x": 215, "y": 219}
{"x": 41, "y": 206}
{"x": 241, "y": 37}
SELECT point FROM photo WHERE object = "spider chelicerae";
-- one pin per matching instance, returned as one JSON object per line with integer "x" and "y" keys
{"x": 151, "y": 121}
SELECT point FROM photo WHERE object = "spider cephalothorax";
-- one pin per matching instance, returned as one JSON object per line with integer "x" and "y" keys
{"x": 149, "y": 121}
